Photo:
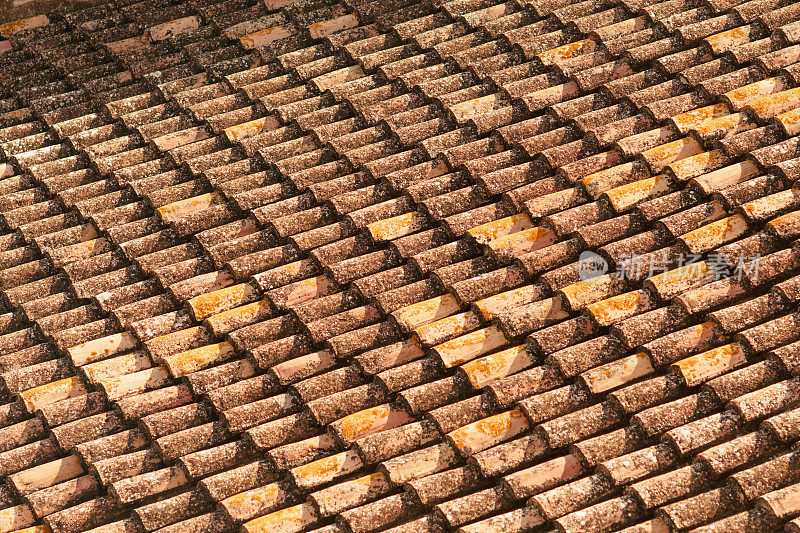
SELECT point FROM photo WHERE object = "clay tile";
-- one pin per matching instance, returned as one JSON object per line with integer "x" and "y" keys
{"x": 256, "y": 501}
{"x": 740, "y": 316}
{"x": 543, "y": 476}
{"x": 766, "y": 401}
{"x": 643, "y": 328}
{"x": 785, "y": 226}
{"x": 512, "y": 521}
{"x": 143, "y": 485}
{"x": 765, "y": 476}
{"x": 638, "y": 464}
{"x": 782, "y": 425}
{"x": 771, "y": 334}
{"x": 488, "y": 432}
{"x": 732, "y": 454}
{"x": 437, "y": 487}
{"x": 381, "y": 513}
{"x": 419, "y": 463}
{"x": 788, "y": 288}
{"x": 473, "y": 506}
{"x": 396, "y": 441}
{"x": 577, "y": 494}
{"x": 303, "y": 514}
{"x": 746, "y": 380}
{"x": 781, "y": 502}
{"x": 338, "y": 498}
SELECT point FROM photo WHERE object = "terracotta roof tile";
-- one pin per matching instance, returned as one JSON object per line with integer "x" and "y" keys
{"x": 320, "y": 117}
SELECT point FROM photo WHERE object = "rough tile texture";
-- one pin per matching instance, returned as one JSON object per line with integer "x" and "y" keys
{"x": 351, "y": 265}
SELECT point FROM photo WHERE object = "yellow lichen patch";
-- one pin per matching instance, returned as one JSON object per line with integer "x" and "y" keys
{"x": 255, "y": 501}
{"x": 704, "y": 366}
{"x": 568, "y": 51}
{"x": 695, "y": 165}
{"x": 196, "y": 359}
{"x": 245, "y": 314}
{"x": 582, "y": 293}
{"x": 498, "y": 228}
{"x": 181, "y": 208}
{"x": 766, "y": 206}
{"x": 774, "y": 104}
{"x": 101, "y": 348}
{"x": 477, "y": 106}
{"x": 790, "y": 121}
{"x": 663, "y": 155}
{"x": 326, "y": 469}
{"x": 318, "y": 30}
{"x": 38, "y": 397}
{"x": 786, "y": 226}
{"x": 726, "y": 177}
{"x": 726, "y": 40}
{"x": 35, "y": 529}
{"x": 123, "y": 364}
{"x": 78, "y": 251}
{"x": 220, "y": 300}
{"x": 252, "y": 25}
{"x": 488, "y": 431}
{"x": 392, "y": 228}
{"x": 626, "y": 196}
{"x": 485, "y": 370}
{"x": 119, "y": 387}
{"x": 740, "y": 97}
{"x": 333, "y": 499}
{"x": 523, "y": 242}
{"x": 451, "y": 326}
{"x": 617, "y": 373}
{"x": 598, "y": 182}
{"x": 504, "y": 301}
{"x": 289, "y": 520}
{"x": 714, "y": 234}
{"x": 264, "y": 37}
{"x": 414, "y": 315}
{"x": 691, "y": 119}
{"x": 254, "y": 127}
{"x": 679, "y": 279}
{"x": 467, "y": 347}
{"x": 10, "y": 28}
{"x": 701, "y": 334}
{"x": 613, "y": 309}
{"x": 729, "y": 124}
{"x": 15, "y": 518}
{"x": 173, "y": 27}
{"x": 370, "y": 421}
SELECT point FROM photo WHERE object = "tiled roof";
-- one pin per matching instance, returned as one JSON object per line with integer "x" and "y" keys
{"x": 290, "y": 265}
